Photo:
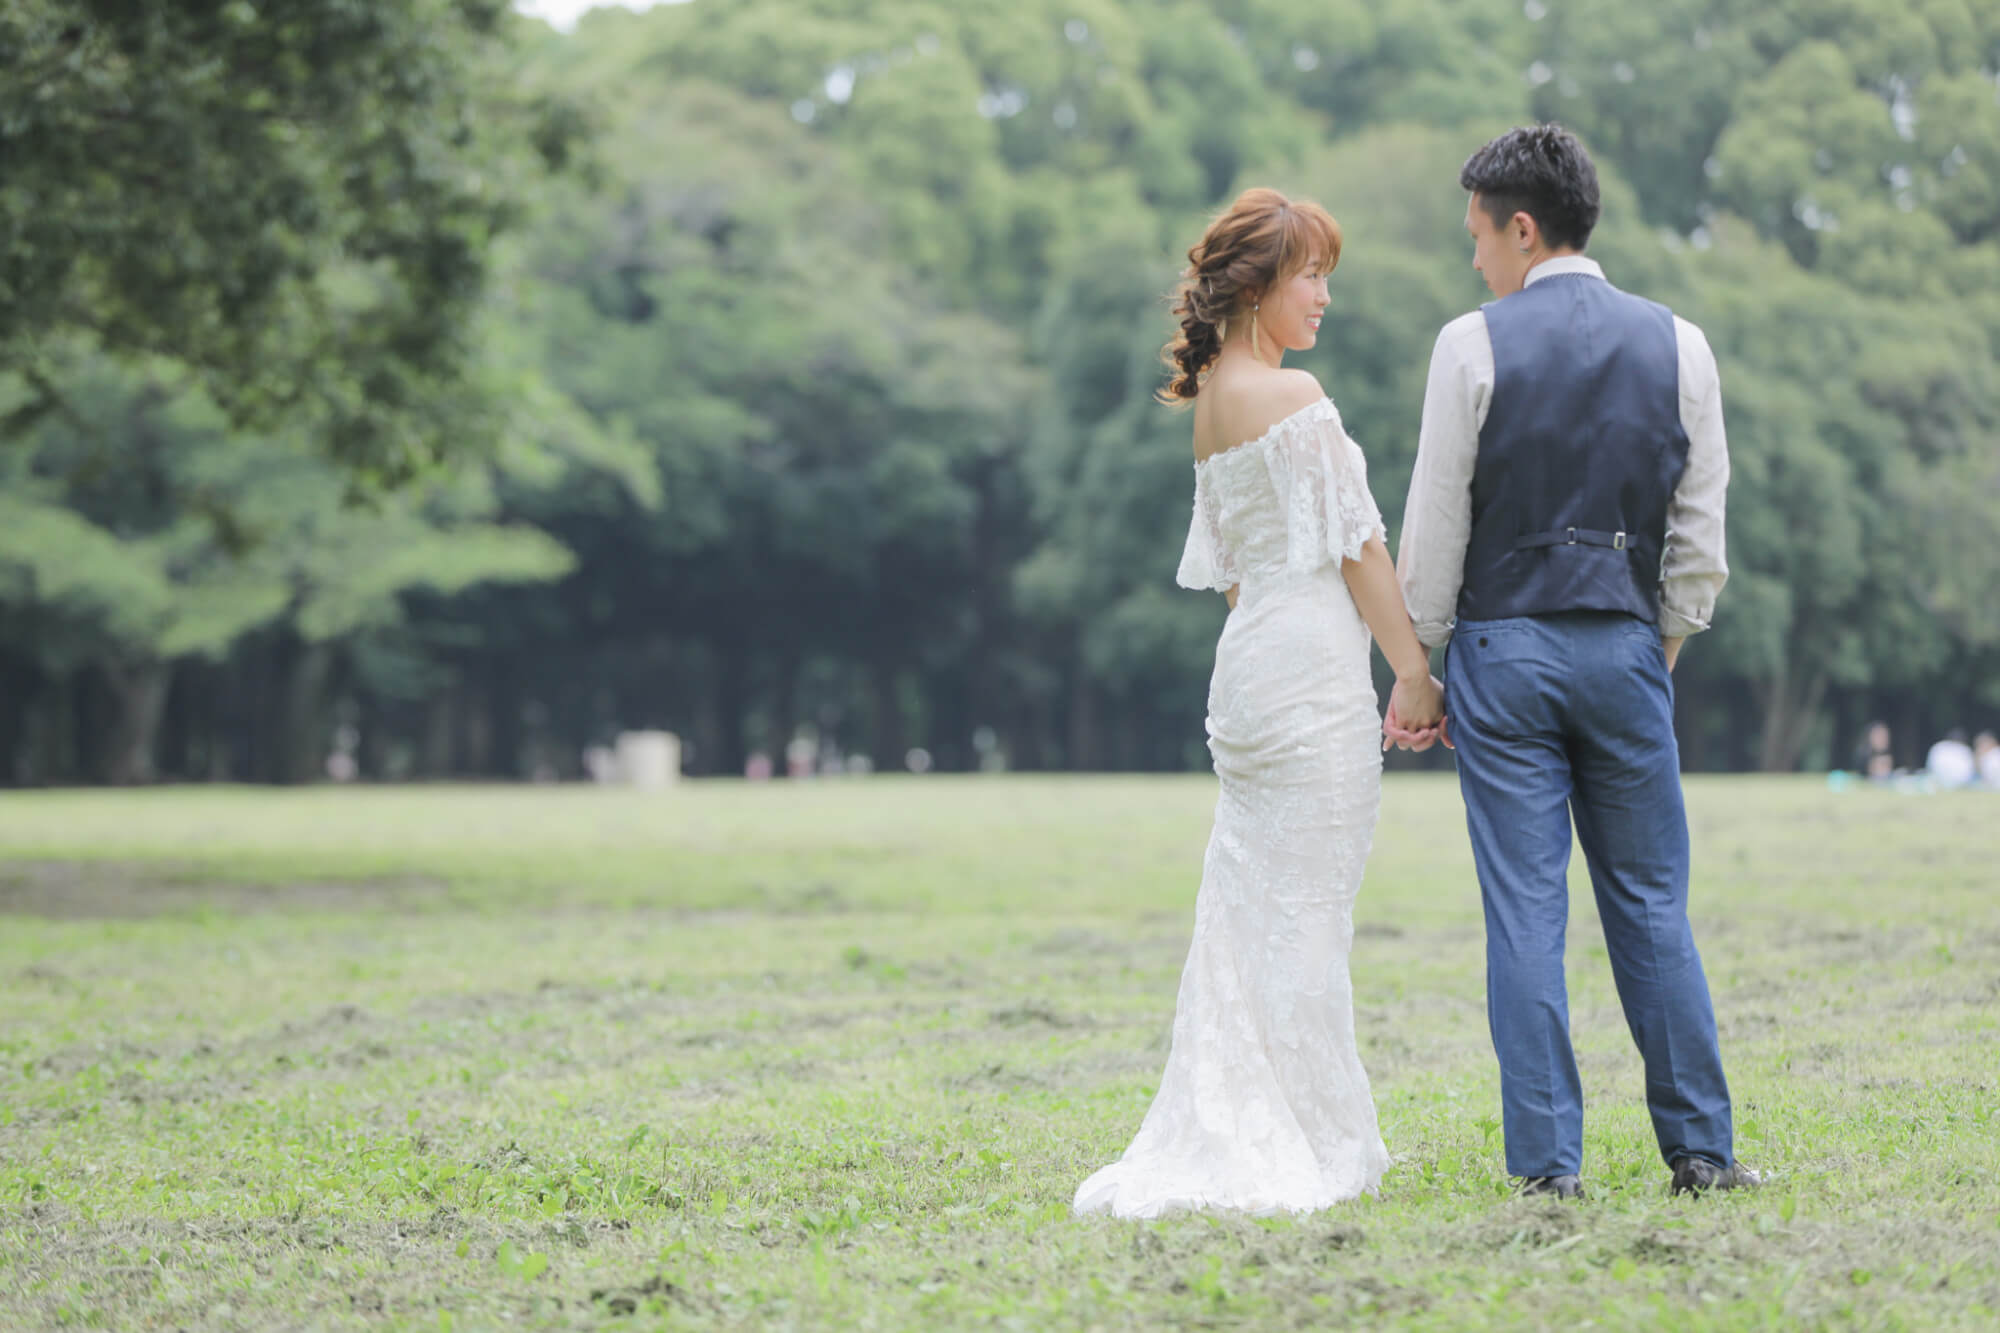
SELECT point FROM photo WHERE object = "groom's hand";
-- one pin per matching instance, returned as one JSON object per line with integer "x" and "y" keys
{"x": 1406, "y": 738}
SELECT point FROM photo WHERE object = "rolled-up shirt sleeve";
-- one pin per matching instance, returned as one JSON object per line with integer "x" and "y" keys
{"x": 1437, "y": 519}
{"x": 1693, "y": 567}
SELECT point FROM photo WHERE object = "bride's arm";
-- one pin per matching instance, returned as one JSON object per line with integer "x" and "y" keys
{"x": 1372, "y": 581}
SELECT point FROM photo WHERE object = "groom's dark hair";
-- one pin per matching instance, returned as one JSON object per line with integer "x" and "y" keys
{"x": 1540, "y": 170}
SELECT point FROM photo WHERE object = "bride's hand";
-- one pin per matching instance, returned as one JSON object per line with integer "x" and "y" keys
{"x": 1415, "y": 719}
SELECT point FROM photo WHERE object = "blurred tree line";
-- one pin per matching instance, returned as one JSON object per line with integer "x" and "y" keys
{"x": 406, "y": 376}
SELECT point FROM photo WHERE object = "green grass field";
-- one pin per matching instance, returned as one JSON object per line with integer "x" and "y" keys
{"x": 836, "y": 1055}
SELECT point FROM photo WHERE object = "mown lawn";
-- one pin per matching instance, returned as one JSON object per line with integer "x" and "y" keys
{"x": 836, "y": 1055}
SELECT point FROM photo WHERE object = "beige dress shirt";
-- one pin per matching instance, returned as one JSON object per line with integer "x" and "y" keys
{"x": 1437, "y": 521}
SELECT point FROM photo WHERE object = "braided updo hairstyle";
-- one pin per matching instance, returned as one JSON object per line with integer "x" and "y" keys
{"x": 1261, "y": 240}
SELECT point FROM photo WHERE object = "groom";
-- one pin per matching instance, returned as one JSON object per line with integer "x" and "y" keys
{"x": 1564, "y": 532}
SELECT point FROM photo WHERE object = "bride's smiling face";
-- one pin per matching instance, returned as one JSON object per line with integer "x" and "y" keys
{"x": 1290, "y": 312}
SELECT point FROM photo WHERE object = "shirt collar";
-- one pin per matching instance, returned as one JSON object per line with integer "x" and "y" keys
{"x": 1562, "y": 264}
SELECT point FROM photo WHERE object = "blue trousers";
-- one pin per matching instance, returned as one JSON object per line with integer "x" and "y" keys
{"x": 1572, "y": 716}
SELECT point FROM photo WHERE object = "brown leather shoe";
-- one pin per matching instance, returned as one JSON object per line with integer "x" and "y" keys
{"x": 1698, "y": 1175}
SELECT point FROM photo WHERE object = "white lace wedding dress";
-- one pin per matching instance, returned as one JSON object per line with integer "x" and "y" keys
{"x": 1264, "y": 1106}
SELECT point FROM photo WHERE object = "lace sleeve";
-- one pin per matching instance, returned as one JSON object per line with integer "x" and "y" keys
{"x": 1331, "y": 514}
{"x": 1205, "y": 561}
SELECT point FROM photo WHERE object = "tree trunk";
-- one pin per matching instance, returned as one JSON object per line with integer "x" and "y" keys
{"x": 732, "y": 701}
{"x": 1027, "y": 734}
{"x": 87, "y": 747}
{"x": 475, "y": 731}
{"x": 20, "y": 685}
{"x": 991, "y": 581}
{"x": 784, "y": 706}
{"x": 137, "y": 693}
{"x": 434, "y": 759}
{"x": 1128, "y": 750}
{"x": 1791, "y": 705}
{"x": 259, "y": 717}
{"x": 1086, "y": 753}
{"x": 1845, "y": 730}
{"x": 707, "y": 728}
{"x": 173, "y": 749}
{"x": 503, "y": 723}
{"x": 891, "y": 741}
{"x": 1690, "y": 734}
{"x": 300, "y": 734}
{"x": 950, "y": 739}
{"x": 1909, "y": 738}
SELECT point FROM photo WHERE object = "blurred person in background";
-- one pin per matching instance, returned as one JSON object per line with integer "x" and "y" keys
{"x": 1950, "y": 762}
{"x": 1873, "y": 758}
{"x": 1986, "y": 752}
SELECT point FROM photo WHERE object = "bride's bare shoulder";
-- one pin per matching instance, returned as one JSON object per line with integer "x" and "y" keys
{"x": 1248, "y": 404}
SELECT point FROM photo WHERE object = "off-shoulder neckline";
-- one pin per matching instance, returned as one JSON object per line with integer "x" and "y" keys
{"x": 1276, "y": 429}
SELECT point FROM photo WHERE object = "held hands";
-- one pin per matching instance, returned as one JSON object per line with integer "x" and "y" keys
{"x": 1416, "y": 719}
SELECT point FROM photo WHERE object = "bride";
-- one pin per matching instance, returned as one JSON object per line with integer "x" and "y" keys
{"x": 1264, "y": 1106}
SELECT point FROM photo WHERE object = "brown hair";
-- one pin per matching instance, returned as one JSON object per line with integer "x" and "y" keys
{"x": 1262, "y": 239}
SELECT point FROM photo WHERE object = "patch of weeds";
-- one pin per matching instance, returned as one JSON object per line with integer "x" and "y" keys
{"x": 508, "y": 1155}
{"x": 568, "y": 1230}
{"x": 445, "y": 1220}
{"x": 1078, "y": 941}
{"x": 997, "y": 1076}
{"x": 1341, "y": 1238}
{"x": 1371, "y": 1295}
{"x": 1019, "y": 1015}
{"x": 655, "y": 1296}
{"x": 1207, "y": 1283}
{"x": 1524, "y": 1224}
{"x": 819, "y": 899}
{"x": 859, "y": 959}
{"x": 514, "y": 1262}
{"x": 1654, "y": 1246}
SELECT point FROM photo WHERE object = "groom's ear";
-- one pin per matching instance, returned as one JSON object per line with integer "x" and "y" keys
{"x": 1523, "y": 230}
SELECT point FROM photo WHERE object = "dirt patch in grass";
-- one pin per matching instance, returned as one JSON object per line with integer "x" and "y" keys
{"x": 655, "y": 1296}
{"x": 996, "y": 1076}
{"x": 111, "y": 891}
{"x": 1079, "y": 940}
{"x": 814, "y": 899}
{"x": 1524, "y": 1224}
{"x": 1037, "y": 1013}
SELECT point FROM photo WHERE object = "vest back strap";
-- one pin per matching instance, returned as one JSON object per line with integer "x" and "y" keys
{"x": 1617, "y": 541}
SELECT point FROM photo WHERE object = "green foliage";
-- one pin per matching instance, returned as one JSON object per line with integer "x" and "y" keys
{"x": 824, "y": 396}
{"x": 294, "y": 201}
{"x": 199, "y": 534}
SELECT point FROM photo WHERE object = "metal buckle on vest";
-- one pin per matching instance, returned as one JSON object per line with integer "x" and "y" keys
{"x": 1617, "y": 541}
{"x": 1572, "y": 538}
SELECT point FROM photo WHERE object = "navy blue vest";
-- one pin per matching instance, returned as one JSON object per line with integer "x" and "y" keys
{"x": 1580, "y": 454}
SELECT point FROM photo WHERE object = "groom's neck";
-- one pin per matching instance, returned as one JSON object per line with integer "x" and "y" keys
{"x": 1562, "y": 252}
